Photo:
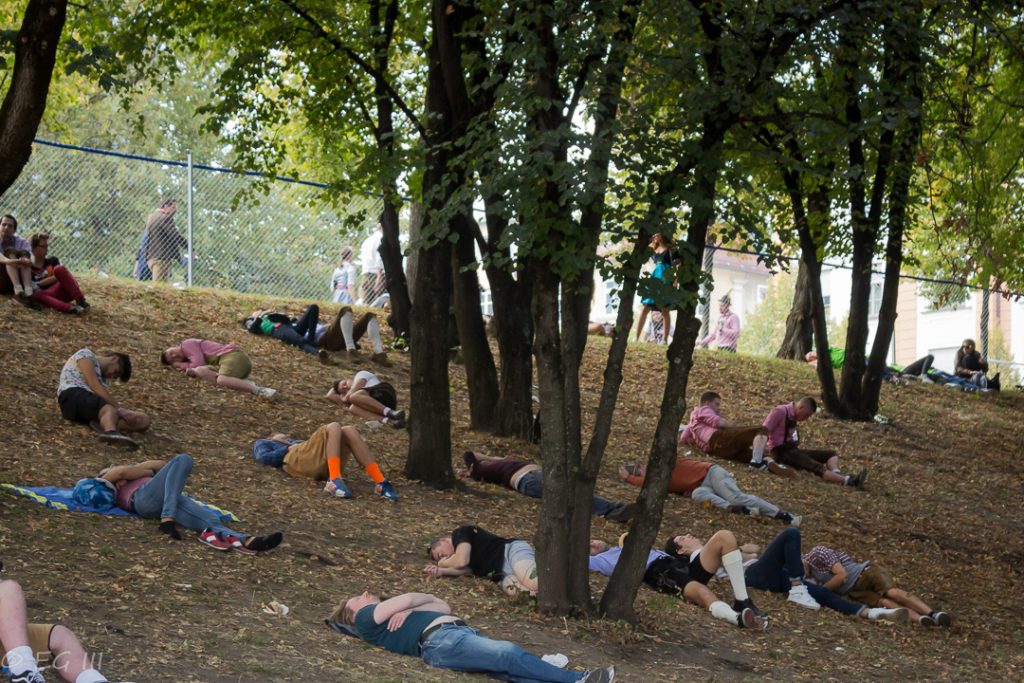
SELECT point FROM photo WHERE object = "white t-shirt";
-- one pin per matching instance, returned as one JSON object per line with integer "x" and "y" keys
{"x": 71, "y": 376}
{"x": 369, "y": 254}
{"x": 371, "y": 379}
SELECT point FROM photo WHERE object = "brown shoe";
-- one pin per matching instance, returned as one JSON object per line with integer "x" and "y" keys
{"x": 325, "y": 357}
{"x": 781, "y": 470}
{"x": 381, "y": 359}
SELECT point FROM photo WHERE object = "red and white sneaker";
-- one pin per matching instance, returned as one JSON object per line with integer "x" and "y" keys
{"x": 211, "y": 539}
{"x": 237, "y": 543}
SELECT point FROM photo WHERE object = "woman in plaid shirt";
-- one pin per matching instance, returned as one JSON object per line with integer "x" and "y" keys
{"x": 864, "y": 582}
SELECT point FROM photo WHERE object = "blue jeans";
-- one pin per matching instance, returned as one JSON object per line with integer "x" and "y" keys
{"x": 780, "y": 563}
{"x": 532, "y": 484}
{"x": 161, "y": 498}
{"x": 303, "y": 332}
{"x": 461, "y": 648}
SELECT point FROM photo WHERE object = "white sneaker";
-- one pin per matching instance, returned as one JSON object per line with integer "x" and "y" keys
{"x": 265, "y": 392}
{"x": 800, "y": 596}
{"x": 899, "y": 615}
{"x": 557, "y": 659}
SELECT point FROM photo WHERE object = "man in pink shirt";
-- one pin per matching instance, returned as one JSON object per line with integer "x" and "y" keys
{"x": 783, "y": 439}
{"x": 225, "y": 365}
{"x": 708, "y": 431}
{"x": 727, "y": 330}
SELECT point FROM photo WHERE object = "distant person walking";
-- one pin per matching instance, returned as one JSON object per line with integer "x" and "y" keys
{"x": 163, "y": 242}
{"x": 343, "y": 280}
{"x": 373, "y": 269}
{"x": 727, "y": 330}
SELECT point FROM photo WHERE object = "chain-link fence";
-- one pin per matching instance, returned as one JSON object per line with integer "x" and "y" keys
{"x": 249, "y": 233}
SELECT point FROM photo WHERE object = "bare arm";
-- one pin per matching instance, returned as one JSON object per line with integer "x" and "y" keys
{"x": 435, "y": 570}
{"x": 458, "y": 560}
{"x": 412, "y": 602}
{"x": 838, "y": 577}
{"x": 131, "y": 472}
{"x": 88, "y": 371}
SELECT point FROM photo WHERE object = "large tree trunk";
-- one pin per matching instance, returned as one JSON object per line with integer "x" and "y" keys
{"x": 620, "y": 595}
{"x": 35, "y": 53}
{"x": 907, "y": 58}
{"x": 481, "y": 375}
{"x": 390, "y": 248}
{"x": 429, "y": 404}
{"x": 799, "y": 323}
{"x": 514, "y": 330}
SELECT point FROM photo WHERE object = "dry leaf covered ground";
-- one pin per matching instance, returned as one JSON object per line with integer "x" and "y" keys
{"x": 942, "y": 512}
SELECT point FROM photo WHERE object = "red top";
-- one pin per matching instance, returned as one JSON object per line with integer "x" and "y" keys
{"x": 687, "y": 476}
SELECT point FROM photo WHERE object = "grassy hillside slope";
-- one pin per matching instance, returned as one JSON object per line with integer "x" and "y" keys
{"x": 942, "y": 513}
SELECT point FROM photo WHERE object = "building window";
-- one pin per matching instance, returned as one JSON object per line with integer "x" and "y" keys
{"x": 875, "y": 299}
{"x": 486, "y": 304}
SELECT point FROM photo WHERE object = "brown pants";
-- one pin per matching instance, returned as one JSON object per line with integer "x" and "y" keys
{"x": 734, "y": 443}
{"x": 804, "y": 458}
{"x": 334, "y": 340}
{"x": 871, "y": 587}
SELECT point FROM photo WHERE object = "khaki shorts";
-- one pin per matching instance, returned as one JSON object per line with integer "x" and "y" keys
{"x": 309, "y": 458}
{"x": 39, "y": 640}
{"x": 234, "y": 364}
{"x": 871, "y": 586}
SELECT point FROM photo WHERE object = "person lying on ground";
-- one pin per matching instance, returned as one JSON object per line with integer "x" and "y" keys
{"x": 225, "y": 365}
{"x": 676, "y": 575}
{"x": 867, "y": 583}
{"x": 366, "y": 396}
{"x": 779, "y": 569}
{"x": 422, "y": 625}
{"x": 54, "y": 285}
{"x": 972, "y": 366}
{"x": 344, "y": 335}
{"x": 15, "y": 263}
{"x": 708, "y": 482}
{"x": 509, "y": 562}
{"x": 527, "y": 478}
{"x": 83, "y": 395}
{"x": 892, "y": 373}
{"x": 300, "y": 332}
{"x": 711, "y": 433}
{"x": 322, "y": 457}
{"x": 782, "y": 445}
{"x": 153, "y": 490}
{"x": 601, "y": 329}
{"x": 27, "y": 645}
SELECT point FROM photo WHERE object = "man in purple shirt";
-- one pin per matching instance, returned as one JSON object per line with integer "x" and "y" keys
{"x": 16, "y": 259}
{"x": 783, "y": 438}
{"x": 727, "y": 331}
{"x": 225, "y": 365}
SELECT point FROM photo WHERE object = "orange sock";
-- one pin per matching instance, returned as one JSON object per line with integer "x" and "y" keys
{"x": 374, "y": 473}
{"x": 334, "y": 467}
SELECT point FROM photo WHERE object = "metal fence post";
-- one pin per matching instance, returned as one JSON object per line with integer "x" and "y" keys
{"x": 191, "y": 254}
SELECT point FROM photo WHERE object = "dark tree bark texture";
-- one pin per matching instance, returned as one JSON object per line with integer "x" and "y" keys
{"x": 35, "y": 54}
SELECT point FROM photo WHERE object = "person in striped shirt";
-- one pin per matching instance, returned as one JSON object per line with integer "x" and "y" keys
{"x": 867, "y": 583}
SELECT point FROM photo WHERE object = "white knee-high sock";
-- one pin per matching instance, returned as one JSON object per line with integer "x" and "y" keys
{"x": 20, "y": 660}
{"x": 758, "y": 453}
{"x": 720, "y": 610}
{"x": 346, "y": 331}
{"x": 91, "y": 676}
{"x": 373, "y": 332}
{"x": 732, "y": 562}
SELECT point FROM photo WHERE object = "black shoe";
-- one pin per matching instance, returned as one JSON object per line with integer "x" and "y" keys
{"x": 859, "y": 479}
{"x": 994, "y": 382}
{"x": 740, "y": 605}
{"x": 941, "y": 619}
{"x": 622, "y": 514}
{"x": 739, "y": 509}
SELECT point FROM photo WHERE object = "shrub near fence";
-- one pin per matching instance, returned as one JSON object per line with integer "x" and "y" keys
{"x": 250, "y": 233}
